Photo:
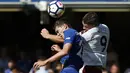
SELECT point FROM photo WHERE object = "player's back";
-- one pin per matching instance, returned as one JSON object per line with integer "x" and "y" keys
{"x": 95, "y": 45}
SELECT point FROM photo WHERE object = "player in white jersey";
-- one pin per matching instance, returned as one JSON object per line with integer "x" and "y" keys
{"x": 96, "y": 41}
{"x": 95, "y": 44}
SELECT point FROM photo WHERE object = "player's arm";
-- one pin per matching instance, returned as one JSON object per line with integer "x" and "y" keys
{"x": 55, "y": 38}
{"x": 68, "y": 41}
{"x": 57, "y": 56}
{"x": 45, "y": 34}
{"x": 63, "y": 52}
{"x": 69, "y": 37}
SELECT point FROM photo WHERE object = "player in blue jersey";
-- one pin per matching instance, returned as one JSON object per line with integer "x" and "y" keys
{"x": 71, "y": 48}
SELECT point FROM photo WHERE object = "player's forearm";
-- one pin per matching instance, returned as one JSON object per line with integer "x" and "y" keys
{"x": 57, "y": 56}
{"x": 55, "y": 38}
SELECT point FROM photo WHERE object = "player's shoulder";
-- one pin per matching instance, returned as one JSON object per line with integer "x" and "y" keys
{"x": 89, "y": 34}
{"x": 91, "y": 31}
{"x": 103, "y": 28}
{"x": 70, "y": 30}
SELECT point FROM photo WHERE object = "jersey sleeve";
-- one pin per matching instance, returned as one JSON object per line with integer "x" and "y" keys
{"x": 63, "y": 59}
{"x": 69, "y": 36}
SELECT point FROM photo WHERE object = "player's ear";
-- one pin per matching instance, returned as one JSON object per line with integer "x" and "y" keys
{"x": 65, "y": 25}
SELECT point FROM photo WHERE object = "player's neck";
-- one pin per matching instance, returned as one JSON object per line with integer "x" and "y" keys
{"x": 66, "y": 28}
{"x": 91, "y": 26}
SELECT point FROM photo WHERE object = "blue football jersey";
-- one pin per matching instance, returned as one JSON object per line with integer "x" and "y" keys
{"x": 73, "y": 58}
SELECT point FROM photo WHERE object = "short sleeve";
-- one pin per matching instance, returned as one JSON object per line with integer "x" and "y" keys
{"x": 69, "y": 36}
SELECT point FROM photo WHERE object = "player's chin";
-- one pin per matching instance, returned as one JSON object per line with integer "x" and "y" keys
{"x": 83, "y": 31}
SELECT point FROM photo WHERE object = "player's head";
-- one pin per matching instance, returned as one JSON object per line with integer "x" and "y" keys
{"x": 50, "y": 71}
{"x": 60, "y": 26}
{"x": 11, "y": 64}
{"x": 114, "y": 68}
{"x": 104, "y": 70}
{"x": 58, "y": 67}
{"x": 41, "y": 58}
{"x": 90, "y": 20}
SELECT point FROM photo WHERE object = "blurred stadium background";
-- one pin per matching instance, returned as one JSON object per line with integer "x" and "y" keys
{"x": 20, "y": 28}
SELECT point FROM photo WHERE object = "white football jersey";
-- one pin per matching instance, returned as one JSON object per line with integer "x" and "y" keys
{"x": 95, "y": 45}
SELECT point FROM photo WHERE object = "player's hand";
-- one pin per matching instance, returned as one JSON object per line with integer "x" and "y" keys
{"x": 38, "y": 64}
{"x": 45, "y": 33}
{"x": 55, "y": 48}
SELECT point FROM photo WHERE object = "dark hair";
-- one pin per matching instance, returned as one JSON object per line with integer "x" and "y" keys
{"x": 91, "y": 18}
{"x": 104, "y": 69}
{"x": 61, "y": 22}
{"x": 58, "y": 63}
{"x": 12, "y": 61}
{"x": 114, "y": 63}
{"x": 42, "y": 58}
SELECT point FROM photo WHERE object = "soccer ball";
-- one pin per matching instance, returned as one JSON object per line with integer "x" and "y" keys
{"x": 56, "y": 9}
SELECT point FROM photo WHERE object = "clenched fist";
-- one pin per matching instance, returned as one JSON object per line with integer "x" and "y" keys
{"x": 45, "y": 33}
{"x": 55, "y": 48}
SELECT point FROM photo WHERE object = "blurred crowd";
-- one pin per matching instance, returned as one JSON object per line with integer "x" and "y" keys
{"x": 22, "y": 62}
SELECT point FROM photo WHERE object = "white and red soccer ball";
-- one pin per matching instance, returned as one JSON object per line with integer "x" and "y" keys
{"x": 55, "y": 9}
